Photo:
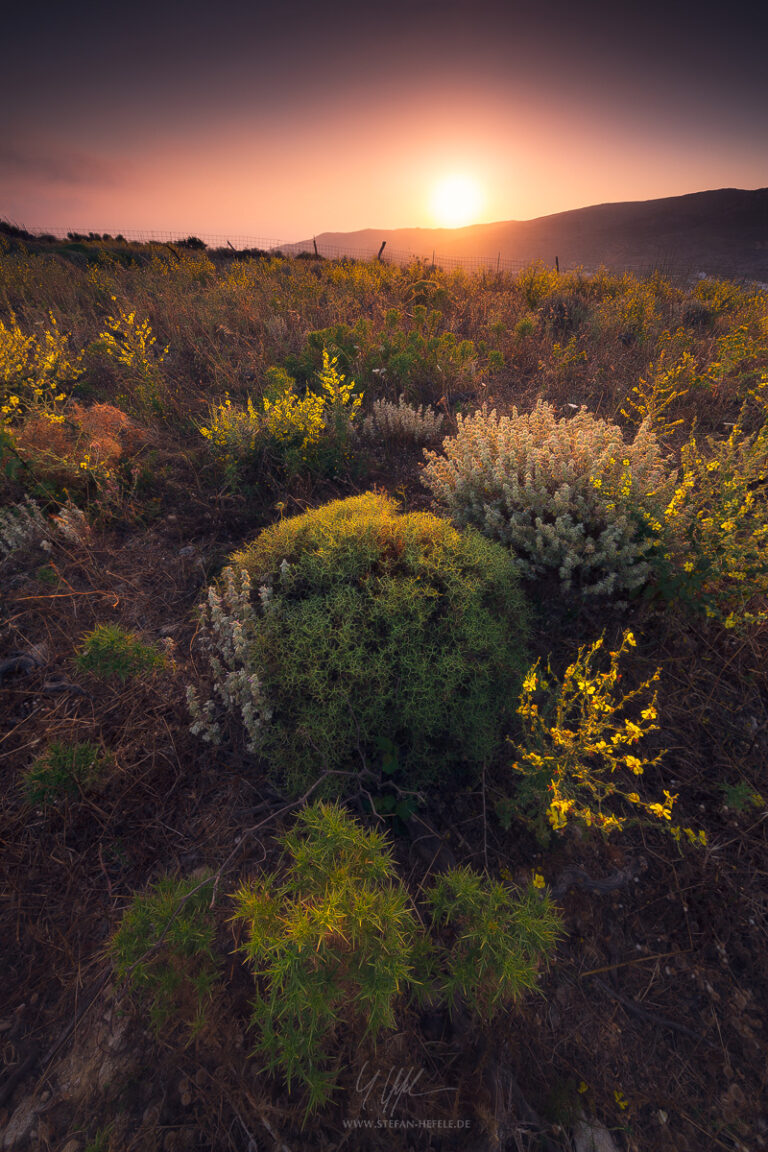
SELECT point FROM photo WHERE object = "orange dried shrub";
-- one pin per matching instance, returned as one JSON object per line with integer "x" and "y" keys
{"x": 109, "y": 431}
{"x": 88, "y": 441}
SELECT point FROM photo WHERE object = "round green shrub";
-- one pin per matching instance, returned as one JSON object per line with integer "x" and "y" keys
{"x": 372, "y": 640}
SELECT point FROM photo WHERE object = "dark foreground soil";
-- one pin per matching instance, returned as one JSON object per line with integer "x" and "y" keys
{"x": 651, "y": 1022}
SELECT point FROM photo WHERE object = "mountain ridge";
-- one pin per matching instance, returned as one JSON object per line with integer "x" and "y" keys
{"x": 721, "y": 231}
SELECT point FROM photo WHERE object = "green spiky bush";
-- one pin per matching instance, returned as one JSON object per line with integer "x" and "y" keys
{"x": 331, "y": 943}
{"x": 111, "y": 651}
{"x": 335, "y": 944}
{"x": 63, "y": 771}
{"x": 489, "y": 940}
{"x": 369, "y": 626}
{"x": 163, "y": 949}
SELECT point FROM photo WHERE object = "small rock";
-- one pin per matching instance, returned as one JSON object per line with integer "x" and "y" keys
{"x": 151, "y": 1116}
{"x": 18, "y": 1129}
{"x": 592, "y": 1136}
{"x": 188, "y": 551}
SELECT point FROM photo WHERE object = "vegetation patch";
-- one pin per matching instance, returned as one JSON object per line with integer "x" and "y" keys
{"x": 366, "y": 623}
{"x": 64, "y": 771}
{"x": 111, "y": 652}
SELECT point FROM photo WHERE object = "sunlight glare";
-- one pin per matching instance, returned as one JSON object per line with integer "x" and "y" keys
{"x": 456, "y": 201}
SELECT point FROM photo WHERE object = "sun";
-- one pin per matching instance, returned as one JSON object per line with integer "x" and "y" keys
{"x": 456, "y": 201}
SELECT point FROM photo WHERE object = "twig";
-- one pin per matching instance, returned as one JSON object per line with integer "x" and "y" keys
{"x": 578, "y": 878}
{"x": 485, "y": 825}
{"x": 651, "y": 1017}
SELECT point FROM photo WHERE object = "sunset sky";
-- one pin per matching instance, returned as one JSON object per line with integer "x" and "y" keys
{"x": 291, "y": 119}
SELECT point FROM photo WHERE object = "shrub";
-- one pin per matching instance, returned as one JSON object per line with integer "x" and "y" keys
{"x": 334, "y": 943}
{"x": 403, "y": 422}
{"x": 85, "y": 445}
{"x": 131, "y": 346}
{"x": 22, "y": 527}
{"x": 368, "y": 624}
{"x": 110, "y": 650}
{"x": 580, "y": 757}
{"x": 670, "y": 378}
{"x": 413, "y": 355}
{"x": 713, "y": 533}
{"x": 562, "y": 313}
{"x": 164, "y": 949}
{"x": 309, "y": 433}
{"x": 564, "y": 495}
{"x": 492, "y": 939}
{"x": 33, "y": 370}
{"x": 331, "y": 944}
{"x": 64, "y": 770}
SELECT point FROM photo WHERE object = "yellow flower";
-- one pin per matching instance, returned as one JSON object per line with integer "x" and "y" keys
{"x": 538, "y": 880}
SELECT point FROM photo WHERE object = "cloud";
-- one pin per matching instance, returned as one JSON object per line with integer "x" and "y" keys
{"x": 55, "y": 165}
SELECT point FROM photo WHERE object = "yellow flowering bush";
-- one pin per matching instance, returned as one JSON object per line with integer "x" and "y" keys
{"x": 34, "y": 370}
{"x": 131, "y": 345}
{"x": 232, "y": 430}
{"x": 580, "y": 757}
{"x": 670, "y": 377}
{"x": 713, "y": 535}
{"x": 300, "y": 433}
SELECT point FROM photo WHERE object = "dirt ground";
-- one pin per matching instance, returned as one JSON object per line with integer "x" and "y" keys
{"x": 650, "y": 1024}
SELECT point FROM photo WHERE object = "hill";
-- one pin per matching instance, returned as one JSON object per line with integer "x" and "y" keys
{"x": 722, "y": 232}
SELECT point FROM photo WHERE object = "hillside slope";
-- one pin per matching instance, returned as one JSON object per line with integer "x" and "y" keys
{"x": 723, "y": 232}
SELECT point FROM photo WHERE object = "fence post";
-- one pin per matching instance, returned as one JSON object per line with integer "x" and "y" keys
{"x": 557, "y": 264}
{"x": 383, "y": 246}
{"x": 314, "y": 241}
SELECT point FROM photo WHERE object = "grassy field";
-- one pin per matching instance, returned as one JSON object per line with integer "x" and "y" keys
{"x": 384, "y": 704}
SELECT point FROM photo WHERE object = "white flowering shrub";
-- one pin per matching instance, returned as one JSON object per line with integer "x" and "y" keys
{"x": 402, "y": 421}
{"x": 72, "y": 524}
{"x": 567, "y": 495}
{"x": 227, "y": 625}
{"x": 25, "y": 526}
{"x": 22, "y": 526}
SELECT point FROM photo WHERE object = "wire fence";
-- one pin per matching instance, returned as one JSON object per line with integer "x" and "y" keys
{"x": 669, "y": 267}
{"x": 497, "y": 263}
{"x": 153, "y": 236}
